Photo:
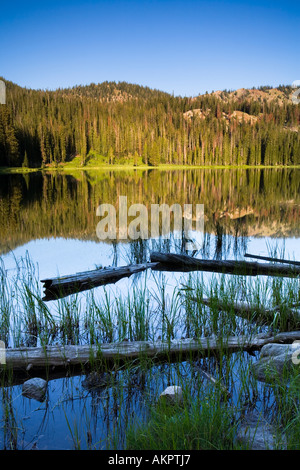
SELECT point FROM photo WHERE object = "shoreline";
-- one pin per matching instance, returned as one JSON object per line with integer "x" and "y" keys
{"x": 66, "y": 168}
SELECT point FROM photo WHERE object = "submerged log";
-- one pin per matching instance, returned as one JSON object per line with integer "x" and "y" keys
{"x": 217, "y": 383}
{"x": 82, "y": 355}
{"x": 184, "y": 263}
{"x": 274, "y": 260}
{"x": 251, "y": 312}
{"x": 62, "y": 286}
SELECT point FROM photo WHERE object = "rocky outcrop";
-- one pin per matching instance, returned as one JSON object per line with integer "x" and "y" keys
{"x": 240, "y": 116}
{"x": 243, "y": 117}
{"x": 196, "y": 113}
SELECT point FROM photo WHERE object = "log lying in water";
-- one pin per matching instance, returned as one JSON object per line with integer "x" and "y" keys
{"x": 274, "y": 260}
{"x": 185, "y": 263}
{"x": 62, "y": 286}
{"x": 69, "y": 355}
{"x": 260, "y": 315}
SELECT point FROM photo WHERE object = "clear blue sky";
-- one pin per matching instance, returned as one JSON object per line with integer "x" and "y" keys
{"x": 183, "y": 47}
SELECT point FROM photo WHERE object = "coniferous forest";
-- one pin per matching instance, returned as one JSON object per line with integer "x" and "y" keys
{"x": 121, "y": 123}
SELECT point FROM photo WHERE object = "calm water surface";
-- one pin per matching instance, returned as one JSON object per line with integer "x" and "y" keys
{"x": 51, "y": 217}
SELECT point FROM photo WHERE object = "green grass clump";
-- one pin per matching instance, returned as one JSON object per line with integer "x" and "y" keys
{"x": 201, "y": 424}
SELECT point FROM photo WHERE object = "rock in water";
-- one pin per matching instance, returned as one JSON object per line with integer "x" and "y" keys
{"x": 275, "y": 359}
{"x": 35, "y": 388}
{"x": 96, "y": 380}
{"x": 257, "y": 434}
{"x": 172, "y": 394}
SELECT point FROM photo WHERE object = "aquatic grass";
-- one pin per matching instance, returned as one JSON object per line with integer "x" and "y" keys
{"x": 25, "y": 315}
{"x": 5, "y": 305}
{"x": 144, "y": 314}
{"x": 104, "y": 321}
{"x": 277, "y": 295}
{"x": 203, "y": 320}
{"x": 148, "y": 312}
{"x": 74, "y": 432}
{"x": 201, "y": 423}
{"x": 69, "y": 313}
{"x": 133, "y": 315}
{"x": 168, "y": 308}
{"x": 139, "y": 314}
{"x": 282, "y": 407}
{"x": 9, "y": 423}
{"x": 39, "y": 323}
{"x": 290, "y": 412}
{"x": 91, "y": 332}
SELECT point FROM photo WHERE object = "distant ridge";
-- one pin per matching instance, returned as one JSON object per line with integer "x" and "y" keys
{"x": 127, "y": 124}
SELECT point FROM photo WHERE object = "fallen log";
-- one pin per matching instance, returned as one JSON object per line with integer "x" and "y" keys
{"x": 62, "y": 286}
{"x": 260, "y": 314}
{"x": 81, "y": 355}
{"x": 59, "y": 287}
{"x": 184, "y": 263}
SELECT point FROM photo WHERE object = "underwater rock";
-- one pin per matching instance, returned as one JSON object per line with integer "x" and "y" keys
{"x": 257, "y": 434}
{"x": 35, "y": 388}
{"x": 95, "y": 380}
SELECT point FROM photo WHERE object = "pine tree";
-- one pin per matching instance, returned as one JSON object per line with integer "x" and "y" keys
{"x": 154, "y": 155}
{"x": 110, "y": 156}
{"x": 25, "y": 163}
{"x": 9, "y": 148}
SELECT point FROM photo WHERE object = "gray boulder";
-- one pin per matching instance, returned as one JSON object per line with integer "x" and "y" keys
{"x": 35, "y": 388}
{"x": 256, "y": 433}
{"x": 275, "y": 359}
{"x": 172, "y": 394}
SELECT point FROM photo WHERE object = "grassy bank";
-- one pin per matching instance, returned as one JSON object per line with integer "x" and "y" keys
{"x": 102, "y": 165}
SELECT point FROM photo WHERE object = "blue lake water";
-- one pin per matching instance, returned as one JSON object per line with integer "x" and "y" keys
{"x": 51, "y": 219}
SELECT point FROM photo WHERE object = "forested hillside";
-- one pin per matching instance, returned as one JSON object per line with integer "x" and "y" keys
{"x": 121, "y": 123}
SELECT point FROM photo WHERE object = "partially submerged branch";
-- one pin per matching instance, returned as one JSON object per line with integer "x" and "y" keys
{"x": 274, "y": 260}
{"x": 184, "y": 263}
{"x": 62, "y": 286}
{"x": 259, "y": 314}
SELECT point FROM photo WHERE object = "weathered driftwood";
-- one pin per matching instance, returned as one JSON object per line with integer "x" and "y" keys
{"x": 81, "y": 355}
{"x": 274, "y": 260}
{"x": 59, "y": 287}
{"x": 184, "y": 263}
{"x": 62, "y": 286}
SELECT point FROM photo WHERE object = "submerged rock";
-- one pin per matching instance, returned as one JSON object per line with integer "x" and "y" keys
{"x": 257, "y": 434}
{"x": 35, "y": 388}
{"x": 96, "y": 380}
{"x": 275, "y": 359}
{"x": 173, "y": 394}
